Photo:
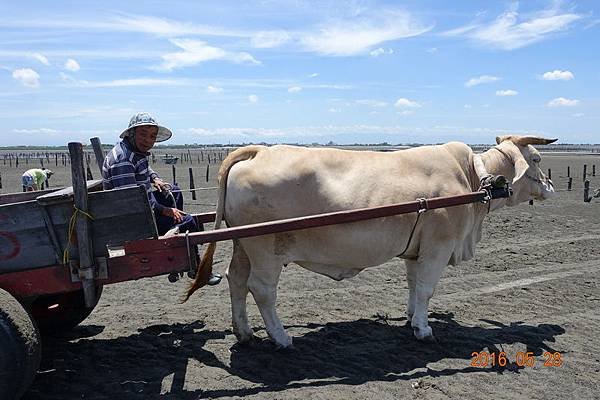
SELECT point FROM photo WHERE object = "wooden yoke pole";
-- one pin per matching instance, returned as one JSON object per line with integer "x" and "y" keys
{"x": 97, "y": 146}
{"x": 82, "y": 227}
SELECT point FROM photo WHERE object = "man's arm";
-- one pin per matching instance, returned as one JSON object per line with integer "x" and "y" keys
{"x": 159, "y": 183}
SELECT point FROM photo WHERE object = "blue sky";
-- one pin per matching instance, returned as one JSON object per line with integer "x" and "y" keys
{"x": 300, "y": 71}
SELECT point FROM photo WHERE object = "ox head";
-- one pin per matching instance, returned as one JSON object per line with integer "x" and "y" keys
{"x": 529, "y": 181}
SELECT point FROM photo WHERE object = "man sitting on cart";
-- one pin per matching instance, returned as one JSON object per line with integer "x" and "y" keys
{"x": 34, "y": 179}
{"x": 127, "y": 165}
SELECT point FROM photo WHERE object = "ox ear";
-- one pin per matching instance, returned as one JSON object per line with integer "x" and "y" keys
{"x": 526, "y": 140}
{"x": 521, "y": 167}
{"x": 502, "y": 138}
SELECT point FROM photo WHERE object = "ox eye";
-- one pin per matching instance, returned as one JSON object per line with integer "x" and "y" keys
{"x": 536, "y": 159}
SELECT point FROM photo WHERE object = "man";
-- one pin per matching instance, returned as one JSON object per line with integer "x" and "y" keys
{"x": 33, "y": 179}
{"x": 127, "y": 164}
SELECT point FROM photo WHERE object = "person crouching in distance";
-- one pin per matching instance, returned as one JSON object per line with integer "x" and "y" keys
{"x": 34, "y": 179}
{"x": 127, "y": 165}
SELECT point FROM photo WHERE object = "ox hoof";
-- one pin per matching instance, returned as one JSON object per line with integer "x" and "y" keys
{"x": 424, "y": 334}
{"x": 285, "y": 349}
{"x": 284, "y": 343}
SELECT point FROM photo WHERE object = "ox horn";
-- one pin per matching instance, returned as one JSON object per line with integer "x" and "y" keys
{"x": 524, "y": 140}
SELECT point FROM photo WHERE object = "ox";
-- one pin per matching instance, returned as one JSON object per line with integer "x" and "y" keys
{"x": 258, "y": 184}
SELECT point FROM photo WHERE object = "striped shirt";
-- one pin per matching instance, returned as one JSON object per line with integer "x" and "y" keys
{"x": 124, "y": 166}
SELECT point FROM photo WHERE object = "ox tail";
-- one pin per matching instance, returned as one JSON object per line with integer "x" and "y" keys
{"x": 204, "y": 270}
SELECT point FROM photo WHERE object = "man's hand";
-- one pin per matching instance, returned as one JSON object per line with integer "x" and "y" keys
{"x": 161, "y": 185}
{"x": 174, "y": 213}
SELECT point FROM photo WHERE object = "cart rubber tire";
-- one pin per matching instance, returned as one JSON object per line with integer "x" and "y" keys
{"x": 69, "y": 312}
{"x": 20, "y": 348}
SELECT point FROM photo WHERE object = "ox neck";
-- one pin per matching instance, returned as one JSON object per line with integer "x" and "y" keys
{"x": 498, "y": 162}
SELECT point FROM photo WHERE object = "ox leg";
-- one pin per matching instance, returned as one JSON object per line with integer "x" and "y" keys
{"x": 427, "y": 273}
{"x": 411, "y": 279}
{"x": 237, "y": 276}
{"x": 263, "y": 286}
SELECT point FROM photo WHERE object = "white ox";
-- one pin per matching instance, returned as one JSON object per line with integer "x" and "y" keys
{"x": 270, "y": 183}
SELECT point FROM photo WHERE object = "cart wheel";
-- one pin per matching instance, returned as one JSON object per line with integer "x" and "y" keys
{"x": 20, "y": 348}
{"x": 58, "y": 313}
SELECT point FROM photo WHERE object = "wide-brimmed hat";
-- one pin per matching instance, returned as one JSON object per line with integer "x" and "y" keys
{"x": 48, "y": 172}
{"x": 144, "y": 118}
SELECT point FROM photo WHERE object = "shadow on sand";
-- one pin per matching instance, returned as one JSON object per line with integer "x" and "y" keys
{"x": 350, "y": 353}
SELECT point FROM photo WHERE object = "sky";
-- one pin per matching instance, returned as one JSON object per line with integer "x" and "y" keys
{"x": 300, "y": 71}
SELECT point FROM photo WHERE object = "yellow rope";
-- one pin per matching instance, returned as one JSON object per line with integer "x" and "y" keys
{"x": 72, "y": 222}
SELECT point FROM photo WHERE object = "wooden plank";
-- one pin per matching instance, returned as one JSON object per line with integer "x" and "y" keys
{"x": 66, "y": 194}
{"x": 10, "y": 198}
{"x": 57, "y": 278}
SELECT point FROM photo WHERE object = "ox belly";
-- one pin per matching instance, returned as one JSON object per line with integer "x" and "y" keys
{"x": 339, "y": 251}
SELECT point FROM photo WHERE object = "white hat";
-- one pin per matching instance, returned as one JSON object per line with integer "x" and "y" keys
{"x": 144, "y": 118}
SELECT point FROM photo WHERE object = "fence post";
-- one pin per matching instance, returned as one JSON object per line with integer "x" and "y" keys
{"x": 174, "y": 173}
{"x": 570, "y": 184}
{"x": 594, "y": 170}
{"x": 0, "y": 180}
{"x": 584, "y": 172}
{"x": 84, "y": 236}
{"x": 207, "y": 167}
{"x": 568, "y": 171}
{"x": 549, "y": 173}
{"x": 192, "y": 184}
{"x": 586, "y": 191}
{"x": 190, "y": 158}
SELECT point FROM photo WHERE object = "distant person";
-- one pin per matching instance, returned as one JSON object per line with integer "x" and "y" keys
{"x": 127, "y": 165}
{"x": 34, "y": 179}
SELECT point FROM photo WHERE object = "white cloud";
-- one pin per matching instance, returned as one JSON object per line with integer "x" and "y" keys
{"x": 508, "y": 92}
{"x": 213, "y": 89}
{"x": 45, "y": 131}
{"x": 562, "y": 102}
{"x": 196, "y": 52}
{"x": 27, "y": 77}
{"x": 380, "y": 51}
{"x": 578, "y": 115}
{"x": 294, "y": 89}
{"x": 467, "y": 106}
{"x": 334, "y": 110}
{"x": 163, "y": 27}
{"x": 358, "y": 35}
{"x": 432, "y": 50}
{"x": 406, "y": 103}
{"x": 41, "y": 58}
{"x": 406, "y": 112}
{"x": 372, "y": 103}
{"x": 511, "y": 31}
{"x": 124, "y": 82}
{"x": 253, "y": 98}
{"x": 481, "y": 79}
{"x": 558, "y": 75}
{"x": 269, "y": 39}
{"x": 313, "y": 75}
{"x": 72, "y": 65}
